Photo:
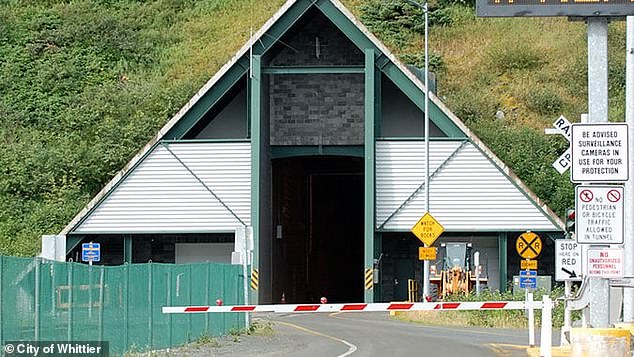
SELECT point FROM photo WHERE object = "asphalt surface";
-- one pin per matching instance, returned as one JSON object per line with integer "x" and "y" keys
{"x": 360, "y": 334}
{"x": 375, "y": 334}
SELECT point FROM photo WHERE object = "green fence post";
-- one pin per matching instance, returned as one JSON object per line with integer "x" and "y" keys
{"x": 101, "y": 302}
{"x": 69, "y": 283}
{"x": 151, "y": 307}
{"x": 36, "y": 310}
{"x": 169, "y": 302}
{"x": 207, "y": 298}
{"x": 1, "y": 292}
{"x": 126, "y": 269}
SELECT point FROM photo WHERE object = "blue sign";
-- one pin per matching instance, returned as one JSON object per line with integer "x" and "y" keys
{"x": 528, "y": 279}
{"x": 90, "y": 252}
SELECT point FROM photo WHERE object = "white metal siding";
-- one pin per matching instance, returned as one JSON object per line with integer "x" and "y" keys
{"x": 162, "y": 196}
{"x": 469, "y": 193}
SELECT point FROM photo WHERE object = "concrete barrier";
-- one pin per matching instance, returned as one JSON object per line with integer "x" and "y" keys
{"x": 587, "y": 342}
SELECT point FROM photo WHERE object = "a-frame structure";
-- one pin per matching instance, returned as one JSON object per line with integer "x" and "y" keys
{"x": 312, "y": 135}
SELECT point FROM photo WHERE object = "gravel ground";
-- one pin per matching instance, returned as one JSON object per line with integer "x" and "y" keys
{"x": 264, "y": 341}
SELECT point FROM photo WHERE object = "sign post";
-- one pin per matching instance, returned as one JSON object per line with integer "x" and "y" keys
{"x": 427, "y": 230}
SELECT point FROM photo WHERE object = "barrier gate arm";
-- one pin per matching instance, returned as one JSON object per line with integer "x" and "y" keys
{"x": 546, "y": 306}
{"x": 306, "y": 308}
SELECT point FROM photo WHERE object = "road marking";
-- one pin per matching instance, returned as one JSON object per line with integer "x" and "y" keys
{"x": 352, "y": 348}
{"x": 502, "y": 349}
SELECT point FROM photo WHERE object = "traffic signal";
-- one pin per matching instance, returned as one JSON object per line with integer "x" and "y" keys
{"x": 570, "y": 220}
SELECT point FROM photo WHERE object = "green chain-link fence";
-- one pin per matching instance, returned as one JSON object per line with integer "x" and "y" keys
{"x": 50, "y": 301}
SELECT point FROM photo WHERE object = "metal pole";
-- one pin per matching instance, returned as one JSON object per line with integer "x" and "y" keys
{"x": 245, "y": 283}
{"x": 476, "y": 260}
{"x": 545, "y": 347}
{"x": 565, "y": 329}
{"x": 628, "y": 293}
{"x": 597, "y": 70}
{"x": 426, "y": 262}
{"x": 599, "y": 309}
{"x": 531, "y": 319}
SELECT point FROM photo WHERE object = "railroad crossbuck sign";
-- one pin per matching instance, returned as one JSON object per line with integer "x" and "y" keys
{"x": 567, "y": 260}
{"x": 528, "y": 245}
{"x": 599, "y": 214}
{"x": 599, "y": 153}
{"x": 427, "y": 229}
{"x": 564, "y": 127}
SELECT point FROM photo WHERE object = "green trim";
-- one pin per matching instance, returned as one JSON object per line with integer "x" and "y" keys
{"x": 198, "y": 110}
{"x": 418, "y": 138}
{"x": 417, "y": 96}
{"x": 314, "y": 70}
{"x": 127, "y": 173}
{"x": 91, "y": 233}
{"x": 502, "y": 256}
{"x": 452, "y": 231}
{"x": 278, "y": 152}
{"x": 512, "y": 181}
{"x": 256, "y": 148}
{"x": 72, "y": 241}
{"x": 378, "y": 250}
{"x": 206, "y": 141}
{"x": 369, "y": 168}
{"x": 378, "y": 103}
{"x": 127, "y": 248}
{"x": 281, "y": 25}
{"x": 350, "y": 30}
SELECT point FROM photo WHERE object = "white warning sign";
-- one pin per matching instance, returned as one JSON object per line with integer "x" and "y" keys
{"x": 605, "y": 263}
{"x": 567, "y": 260}
{"x": 599, "y": 153}
{"x": 599, "y": 214}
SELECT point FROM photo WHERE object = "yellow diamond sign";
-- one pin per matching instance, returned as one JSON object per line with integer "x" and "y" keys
{"x": 427, "y": 229}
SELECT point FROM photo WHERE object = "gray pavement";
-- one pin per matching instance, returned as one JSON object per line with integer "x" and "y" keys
{"x": 359, "y": 334}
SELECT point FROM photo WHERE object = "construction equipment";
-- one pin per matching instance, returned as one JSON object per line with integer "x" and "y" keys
{"x": 453, "y": 272}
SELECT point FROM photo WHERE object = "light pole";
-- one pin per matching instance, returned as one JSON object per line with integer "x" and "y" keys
{"x": 426, "y": 135}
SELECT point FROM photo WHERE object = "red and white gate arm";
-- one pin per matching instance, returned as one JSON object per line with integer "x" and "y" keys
{"x": 397, "y": 306}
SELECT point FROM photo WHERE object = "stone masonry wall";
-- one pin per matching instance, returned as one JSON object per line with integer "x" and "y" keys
{"x": 322, "y": 109}
{"x": 316, "y": 109}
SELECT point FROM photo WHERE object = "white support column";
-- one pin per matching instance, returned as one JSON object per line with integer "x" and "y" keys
{"x": 628, "y": 232}
{"x": 598, "y": 70}
{"x": 599, "y": 309}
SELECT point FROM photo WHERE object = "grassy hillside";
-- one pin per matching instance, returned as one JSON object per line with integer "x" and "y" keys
{"x": 84, "y": 84}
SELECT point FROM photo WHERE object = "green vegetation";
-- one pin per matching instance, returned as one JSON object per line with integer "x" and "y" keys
{"x": 86, "y": 83}
{"x": 492, "y": 318}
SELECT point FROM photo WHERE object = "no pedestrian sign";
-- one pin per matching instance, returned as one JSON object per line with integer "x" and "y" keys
{"x": 599, "y": 214}
{"x": 599, "y": 153}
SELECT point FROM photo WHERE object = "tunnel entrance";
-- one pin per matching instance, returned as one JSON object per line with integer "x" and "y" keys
{"x": 318, "y": 240}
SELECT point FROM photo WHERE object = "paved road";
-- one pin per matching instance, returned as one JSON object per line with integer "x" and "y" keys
{"x": 359, "y": 334}
{"x": 375, "y": 334}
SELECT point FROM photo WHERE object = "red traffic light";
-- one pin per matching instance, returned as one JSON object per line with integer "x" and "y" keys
{"x": 571, "y": 215}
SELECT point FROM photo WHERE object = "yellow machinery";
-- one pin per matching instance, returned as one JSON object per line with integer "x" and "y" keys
{"x": 456, "y": 274}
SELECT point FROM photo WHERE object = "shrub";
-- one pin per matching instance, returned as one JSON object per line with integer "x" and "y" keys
{"x": 507, "y": 57}
{"x": 543, "y": 100}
